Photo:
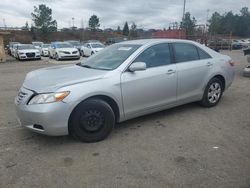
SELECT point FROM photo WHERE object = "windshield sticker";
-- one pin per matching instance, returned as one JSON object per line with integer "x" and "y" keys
{"x": 125, "y": 48}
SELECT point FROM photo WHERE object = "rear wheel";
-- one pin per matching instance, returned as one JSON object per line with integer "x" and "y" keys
{"x": 212, "y": 93}
{"x": 92, "y": 121}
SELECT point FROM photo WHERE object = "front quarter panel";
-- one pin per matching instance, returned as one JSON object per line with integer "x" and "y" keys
{"x": 108, "y": 86}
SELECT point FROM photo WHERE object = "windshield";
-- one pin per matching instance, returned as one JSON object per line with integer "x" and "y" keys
{"x": 24, "y": 47}
{"x": 63, "y": 45}
{"x": 75, "y": 43}
{"x": 46, "y": 45}
{"x": 97, "y": 45}
{"x": 111, "y": 57}
{"x": 37, "y": 44}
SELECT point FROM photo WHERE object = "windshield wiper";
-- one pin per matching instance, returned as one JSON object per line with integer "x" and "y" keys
{"x": 86, "y": 66}
{"x": 89, "y": 67}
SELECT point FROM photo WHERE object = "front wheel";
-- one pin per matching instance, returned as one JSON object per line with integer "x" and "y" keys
{"x": 57, "y": 57}
{"x": 92, "y": 121}
{"x": 212, "y": 93}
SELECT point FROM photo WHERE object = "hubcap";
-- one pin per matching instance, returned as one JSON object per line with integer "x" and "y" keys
{"x": 214, "y": 92}
{"x": 92, "y": 121}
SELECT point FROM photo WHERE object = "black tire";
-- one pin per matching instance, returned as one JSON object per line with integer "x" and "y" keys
{"x": 246, "y": 71}
{"x": 92, "y": 53}
{"x": 57, "y": 57}
{"x": 91, "y": 121}
{"x": 207, "y": 100}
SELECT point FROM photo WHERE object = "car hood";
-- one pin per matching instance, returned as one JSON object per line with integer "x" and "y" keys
{"x": 46, "y": 49}
{"x": 52, "y": 78}
{"x": 98, "y": 49}
{"x": 28, "y": 51}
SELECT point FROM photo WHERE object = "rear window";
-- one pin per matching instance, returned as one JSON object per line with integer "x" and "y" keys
{"x": 185, "y": 52}
{"x": 203, "y": 54}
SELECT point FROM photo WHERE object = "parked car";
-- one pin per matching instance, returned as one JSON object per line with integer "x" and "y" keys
{"x": 13, "y": 49}
{"x": 37, "y": 45}
{"x": 89, "y": 49}
{"x": 63, "y": 50}
{"x": 75, "y": 44}
{"x": 236, "y": 45}
{"x": 27, "y": 51}
{"x": 244, "y": 43}
{"x": 115, "y": 40}
{"x": 44, "y": 50}
{"x": 121, "y": 82}
{"x": 10, "y": 46}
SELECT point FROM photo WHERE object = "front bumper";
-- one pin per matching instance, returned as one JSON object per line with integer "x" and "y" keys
{"x": 26, "y": 57}
{"x": 69, "y": 56}
{"x": 48, "y": 119}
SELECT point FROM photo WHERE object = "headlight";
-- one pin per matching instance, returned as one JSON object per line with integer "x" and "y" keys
{"x": 61, "y": 52}
{"x": 20, "y": 53}
{"x": 48, "y": 97}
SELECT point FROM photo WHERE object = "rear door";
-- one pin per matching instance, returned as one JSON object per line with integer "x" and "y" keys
{"x": 193, "y": 66}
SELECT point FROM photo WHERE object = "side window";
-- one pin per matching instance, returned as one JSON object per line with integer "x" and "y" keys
{"x": 88, "y": 46}
{"x": 157, "y": 55}
{"x": 202, "y": 54}
{"x": 185, "y": 52}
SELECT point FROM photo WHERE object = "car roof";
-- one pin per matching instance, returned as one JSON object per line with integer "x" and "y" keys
{"x": 153, "y": 41}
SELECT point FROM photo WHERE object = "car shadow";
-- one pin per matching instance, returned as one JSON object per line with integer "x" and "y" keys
{"x": 120, "y": 128}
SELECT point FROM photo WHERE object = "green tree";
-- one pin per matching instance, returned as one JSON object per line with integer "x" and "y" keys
{"x": 125, "y": 30}
{"x": 94, "y": 22}
{"x": 119, "y": 30}
{"x": 215, "y": 23}
{"x": 237, "y": 24}
{"x": 243, "y": 23}
{"x": 42, "y": 18}
{"x": 133, "y": 31}
{"x": 188, "y": 23}
{"x": 26, "y": 26}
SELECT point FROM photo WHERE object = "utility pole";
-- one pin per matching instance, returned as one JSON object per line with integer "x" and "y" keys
{"x": 4, "y": 23}
{"x": 184, "y": 10}
{"x": 73, "y": 21}
{"x": 207, "y": 20}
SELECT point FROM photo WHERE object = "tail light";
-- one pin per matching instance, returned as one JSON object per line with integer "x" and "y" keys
{"x": 231, "y": 63}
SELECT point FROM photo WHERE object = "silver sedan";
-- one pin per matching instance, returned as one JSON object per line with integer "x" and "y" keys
{"x": 123, "y": 81}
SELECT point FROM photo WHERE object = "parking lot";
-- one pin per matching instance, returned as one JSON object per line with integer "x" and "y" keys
{"x": 187, "y": 146}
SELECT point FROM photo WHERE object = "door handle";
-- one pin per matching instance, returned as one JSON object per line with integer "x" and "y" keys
{"x": 171, "y": 71}
{"x": 209, "y": 64}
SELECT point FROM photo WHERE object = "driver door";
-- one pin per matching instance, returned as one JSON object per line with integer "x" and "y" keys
{"x": 152, "y": 89}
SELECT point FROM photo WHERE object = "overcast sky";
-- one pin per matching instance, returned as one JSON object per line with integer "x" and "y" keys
{"x": 145, "y": 13}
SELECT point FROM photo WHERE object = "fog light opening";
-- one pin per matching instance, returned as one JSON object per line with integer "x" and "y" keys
{"x": 38, "y": 127}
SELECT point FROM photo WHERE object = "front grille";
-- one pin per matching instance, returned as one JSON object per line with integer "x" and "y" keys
{"x": 30, "y": 54}
{"x": 66, "y": 52}
{"x": 21, "y": 95}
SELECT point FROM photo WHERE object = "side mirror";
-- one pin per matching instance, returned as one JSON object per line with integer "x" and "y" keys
{"x": 138, "y": 66}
